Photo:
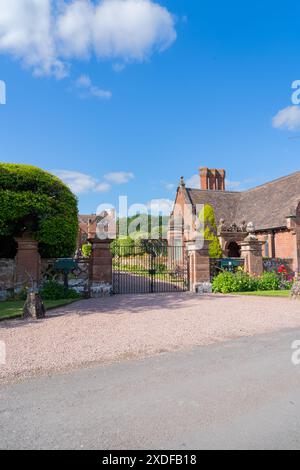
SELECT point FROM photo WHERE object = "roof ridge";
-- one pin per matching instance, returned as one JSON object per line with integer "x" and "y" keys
{"x": 282, "y": 178}
{"x": 212, "y": 191}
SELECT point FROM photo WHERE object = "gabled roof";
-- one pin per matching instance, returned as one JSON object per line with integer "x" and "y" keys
{"x": 83, "y": 218}
{"x": 267, "y": 206}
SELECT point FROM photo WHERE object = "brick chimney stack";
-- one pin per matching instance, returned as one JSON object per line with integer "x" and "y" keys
{"x": 212, "y": 179}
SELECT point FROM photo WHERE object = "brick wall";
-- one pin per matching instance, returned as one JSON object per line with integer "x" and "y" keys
{"x": 183, "y": 215}
{"x": 285, "y": 246}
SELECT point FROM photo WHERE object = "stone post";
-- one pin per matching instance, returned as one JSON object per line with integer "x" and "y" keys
{"x": 101, "y": 262}
{"x": 199, "y": 264}
{"x": 28, "y": 262}
{"x": 251, "y": 251}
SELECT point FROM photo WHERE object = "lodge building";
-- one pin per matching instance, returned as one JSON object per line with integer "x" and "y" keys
{"x": 273, "y": 208}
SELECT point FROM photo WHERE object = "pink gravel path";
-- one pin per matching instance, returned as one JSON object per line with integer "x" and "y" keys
{"x": 125, "y": 327}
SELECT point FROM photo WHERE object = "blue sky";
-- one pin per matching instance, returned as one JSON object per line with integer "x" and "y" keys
{"x": 132, "y": 121}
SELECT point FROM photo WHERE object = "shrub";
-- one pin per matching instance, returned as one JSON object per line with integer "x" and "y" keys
{"x": 122, "y": 246}
{"x": 52, "y": 290}
{"x": 269, "y": 281}
{"x": 86, "y": 250}
{"x": 208, "y": 222}
{"x": 160, "y": 268}
{"x": 223, "y": 283}
{"x": 245, "y": 283}
{"x": 227, "y": 282}
{"x": 22, "y": 295}
{"x": 39, "y": 201}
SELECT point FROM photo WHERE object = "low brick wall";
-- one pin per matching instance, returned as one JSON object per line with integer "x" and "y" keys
{"x": 273, "y": 264}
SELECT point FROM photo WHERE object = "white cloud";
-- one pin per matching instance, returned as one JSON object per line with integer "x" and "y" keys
{"x": 85, "y": 84}
{"x": 131, "y": 29}
{"x": 45, "y": 34}
{"x": 74, "y": 28}
{"x": 102, "y": 187}
{"x": 26, "y": 32}
{"x": 81, "y": 183}
{"x": 160, "y": 206}
{"x": 193, "y": 182}
{"x": 119, "y": 177}
{"x": 170, "y": 186}
{"x": 118, "y": 67}
{"x": 288, "y": 118}
{"x": 233, "y": 184}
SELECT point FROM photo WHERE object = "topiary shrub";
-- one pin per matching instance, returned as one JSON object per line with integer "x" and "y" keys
{"x": 208, "y": 222}
{"x": 34, "y": 199}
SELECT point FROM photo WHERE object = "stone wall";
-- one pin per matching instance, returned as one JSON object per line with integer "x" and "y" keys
{"x": 7, "y": 276}
{"x": 79, "y": 279}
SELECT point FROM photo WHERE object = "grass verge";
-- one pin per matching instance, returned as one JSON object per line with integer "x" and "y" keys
{"x": 14, "y": 308}
{"x": 266, "y": 293}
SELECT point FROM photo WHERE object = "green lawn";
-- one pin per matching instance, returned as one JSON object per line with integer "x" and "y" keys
{"x": 13, "y": 308}
{"x": 267, "y": 293}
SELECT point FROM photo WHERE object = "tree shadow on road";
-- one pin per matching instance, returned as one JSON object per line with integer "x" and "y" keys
{"x": 123, "y": 304}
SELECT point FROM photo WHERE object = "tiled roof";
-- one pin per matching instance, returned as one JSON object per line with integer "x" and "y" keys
{"x": 267, "y": 206}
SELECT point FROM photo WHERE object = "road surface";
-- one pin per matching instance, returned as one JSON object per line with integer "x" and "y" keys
{"x": 241, "y": 394}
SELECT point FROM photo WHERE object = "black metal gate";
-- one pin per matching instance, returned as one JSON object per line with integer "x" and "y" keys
{"x": 151, "y": 266}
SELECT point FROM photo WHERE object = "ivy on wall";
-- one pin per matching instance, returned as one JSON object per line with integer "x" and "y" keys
{"x": 208, "y": 224}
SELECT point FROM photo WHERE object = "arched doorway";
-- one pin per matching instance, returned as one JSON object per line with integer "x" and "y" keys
{"x": 233, "y": 250}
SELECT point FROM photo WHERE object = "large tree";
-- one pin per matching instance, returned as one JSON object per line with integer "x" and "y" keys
{"x": 34, "y": 200}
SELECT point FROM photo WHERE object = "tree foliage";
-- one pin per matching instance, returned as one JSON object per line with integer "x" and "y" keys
{"x": 86, "y": 250}
{"x": 39, "y": 202}
{"x": 208, "y": 225}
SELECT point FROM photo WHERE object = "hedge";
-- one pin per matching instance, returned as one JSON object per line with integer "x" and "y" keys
{"x": 35, "y": 199}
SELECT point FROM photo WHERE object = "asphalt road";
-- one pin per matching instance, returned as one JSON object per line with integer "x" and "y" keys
{"x": 242, "y": 394}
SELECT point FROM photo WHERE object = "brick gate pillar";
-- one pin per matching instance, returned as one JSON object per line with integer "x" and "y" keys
{"x": 101, "y": 262}
{"x": 199, "y": 264}
{"x": 251, "y": 251}
{"x": 28, "y": 262}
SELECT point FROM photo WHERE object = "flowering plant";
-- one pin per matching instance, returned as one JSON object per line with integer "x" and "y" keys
{"x": 282, "y": 269}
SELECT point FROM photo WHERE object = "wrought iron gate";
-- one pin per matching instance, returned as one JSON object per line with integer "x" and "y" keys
{"x": 152, "y": 266}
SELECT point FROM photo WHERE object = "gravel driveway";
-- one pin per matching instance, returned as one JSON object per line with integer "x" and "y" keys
{"x": 127, "y": 326}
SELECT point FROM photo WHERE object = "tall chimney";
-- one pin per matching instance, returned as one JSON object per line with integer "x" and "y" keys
{"x": 204, "y": 178}
{"x": 221, "y": 180}
{"x": 212, "y": 179}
